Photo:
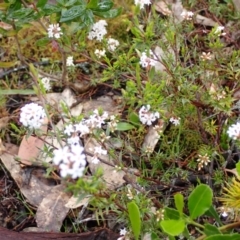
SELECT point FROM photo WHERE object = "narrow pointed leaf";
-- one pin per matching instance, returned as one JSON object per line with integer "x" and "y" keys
{"x": 179, "y": 203}
{"x": 135, "y": 219}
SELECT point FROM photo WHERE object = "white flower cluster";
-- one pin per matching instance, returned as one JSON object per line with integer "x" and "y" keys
{"x": 86, "y": 126}
{"x": 54, "y": 31}
{"x": 219, "y": 31}
{"x": 32, "y": 115}
{"x": 146, "y": 61}
{"x": 234, "y": 131}
{"x": 71, "y": 160}
{"x": 100, "y": 53}
{"x": 203, "y": 160}
{"x": 187, "y": 15}
{"x": 97, "y": 152}
{"x": 175, "y": 121}
{"x": 142, "y": 3}
{"x": 46, "y": 83}
{"x": 146, "y": 116}
{"x": 70, "y": 62}
{"x": 112, "y": 44}
{"x": 98, "y": 30}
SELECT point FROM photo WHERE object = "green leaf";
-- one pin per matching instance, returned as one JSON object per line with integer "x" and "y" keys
{"x": 50, "y": 9}
{"x": 124, "y": 126}
{"x": 223, "y": 237}
{"x": 92, "y": 4}
{"x": 134, "y": 119}
{"x": 173, "y": 227}
{"x": 200, "y": 200}
{"x": 210, "y": 229}
{"x": 41, "y": 3}
{"x": 21, "y": 13}
{"x": 238, "y": 168}
{"x": 170, "y": 213}
{"x": 211, "y": 212}
{"x": 42, "y": 42}
{"x": 7, "y": 64}
{"x": 72, "y": 13}
{"x": 109, "y": 14}
{"x": 17, "y": 91}
{"x": 179, "y": 203}
{"x": 103, "y": 6}
{"x": 134, "y": 216}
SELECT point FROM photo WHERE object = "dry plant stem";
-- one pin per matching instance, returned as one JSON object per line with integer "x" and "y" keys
{"x": 223, "y": 228}
{"x": 64, "y": 66}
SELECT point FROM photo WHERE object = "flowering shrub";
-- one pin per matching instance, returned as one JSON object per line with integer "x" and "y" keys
{"x": 177, "y": 95}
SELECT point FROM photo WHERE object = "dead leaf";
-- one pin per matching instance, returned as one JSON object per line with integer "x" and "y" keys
{"x": 162, "y": 7}
{"x": 52, "y": 210}
{"x": 31, "y": 187}
{"x": 152, "y": 136}
{"x": 233, "y": 171}
{"x": 4, "y": 122}
{"x": 74, "y": 202}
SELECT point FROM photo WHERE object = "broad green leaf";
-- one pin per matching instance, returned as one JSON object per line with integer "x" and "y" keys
{"x": 72, "y": 13}
{"x": 17, "y": 91}
{"x": 134, "y": 216}
{"x": 41, "y": 3}
{"x": 92, "y": 4}
{"x": 179, "y": 203}
{"x": 210, "y": 229}
{"x": 70, "y": 3}
{"x": 211, "y": 212}
{"x": 170, "y": 213}
{"x": 200, "y": 200}
{"x": 7, "y": 64}
{"x": 103, "y": 6}
{"x": 134, "y": 118}
{"x": 124, "y": 126}
{"x": 223, "y": 237}
{"x": 50, "y": 9}
{"x": 173, "y": 227}
{"x": 238, "y": 168}
{"x": 21, "y": 13}
{"x": 154, "y": 236}
{"x": 42, "y": 42}
{"x": 109, "y": 14}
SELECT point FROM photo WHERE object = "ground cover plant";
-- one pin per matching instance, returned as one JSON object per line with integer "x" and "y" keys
{"x": 120, "y": 118}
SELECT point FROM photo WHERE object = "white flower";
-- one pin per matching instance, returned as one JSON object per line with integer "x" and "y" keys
{"x": 46, "y": 83}
{"x": 142, "y": 2}
{"x": 206, "y": 56}
{"x": 32, "y": 115}
{"x": 113, "y": 123}
{"x": 175, "y": 121}
{"x": 219, "y": 31}
{"x": 95, "y": 160}
{"x": 146, "y": 61}
{"x": 100, "y": 53}
{"x": 97, "y": 151}
{"x": 69, "y": 61}
{"x": 147, "y": 117}
{"x": 82, "y": 128}
{"x": 202, "y": 160}
{"x": 187, "y": 15}
{"x": 54, "y": 31}
{"x": 234, "y": 131}
{"x": 98, "y": 30}
{"x": 69, "y": 129}
{"x": 96, "y": 120}
{"x": 74, "y": 140}
{"x": 123, "y": 232}
{"x": 112, "y": 44}
{"x": 71, "y": 160}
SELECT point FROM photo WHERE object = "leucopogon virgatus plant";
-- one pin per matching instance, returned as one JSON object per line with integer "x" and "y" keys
{"x": 176, "y": 93}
